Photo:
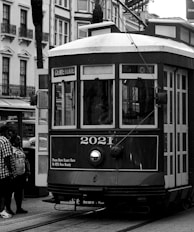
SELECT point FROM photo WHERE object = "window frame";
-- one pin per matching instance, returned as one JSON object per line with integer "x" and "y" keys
{"x": 62, "y": 3}
{"x": 115, "y": 13}
{"x": 61, "y": 79}
{"x": 100, "y": 76}
{"x": 5, "y": 75}
{"x": 23, "y": 78}
{"x": 132, "y": 76}
{"x": 83, "y": 10}
{"x": 61, "y": 32}
{"x": 6, "y": 14}
{"x": 79, "y": 24}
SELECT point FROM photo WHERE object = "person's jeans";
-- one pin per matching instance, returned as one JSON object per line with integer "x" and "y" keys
{"x": 5, "y": 192}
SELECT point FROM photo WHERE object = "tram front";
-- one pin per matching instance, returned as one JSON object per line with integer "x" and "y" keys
{"x": 104, "y": 131}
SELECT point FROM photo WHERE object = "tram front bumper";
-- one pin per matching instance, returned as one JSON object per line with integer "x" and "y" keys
{"x": 102, "y": 193}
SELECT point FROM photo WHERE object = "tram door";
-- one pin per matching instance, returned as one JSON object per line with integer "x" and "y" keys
{"x": 41, "y": 167}
{"x": 176, "y": 128}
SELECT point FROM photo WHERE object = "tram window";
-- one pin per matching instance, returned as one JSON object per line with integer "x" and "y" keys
{"x": 184, "y": 107}
{"x": 64, "y": 104}
{"x": 171, "y": 165}
{"x": 183, "y": 82}
{"x": 184, "y": 142}
{"x": 165, "y": 78}
{"x": 184, "y": 162}
{"x": 165, "y": 142}
{"x": 137, "y": 101}
{"x": 58, "y": 105}
{"x": 98, "y": 102}
{"x": 165, "y": 165}
{"x": 165, "y": 112}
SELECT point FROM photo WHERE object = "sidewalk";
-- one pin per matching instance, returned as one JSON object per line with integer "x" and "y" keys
{"x": 38, "y": 211}
{"x": 33, "y": 206}
{"x": 37, "y": 205}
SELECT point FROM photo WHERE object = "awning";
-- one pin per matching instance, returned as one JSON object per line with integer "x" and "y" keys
{"x": 12, "y": 104}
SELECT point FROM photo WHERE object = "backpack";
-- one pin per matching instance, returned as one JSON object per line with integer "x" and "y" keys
{"x": 19, "y": 161}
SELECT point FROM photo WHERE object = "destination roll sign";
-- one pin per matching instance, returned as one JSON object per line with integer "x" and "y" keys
{"x": 66, "y": 71}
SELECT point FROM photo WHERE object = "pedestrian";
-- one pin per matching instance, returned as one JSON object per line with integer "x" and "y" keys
{"x": 22, "y": 173}
{"x": 7, "y": 169}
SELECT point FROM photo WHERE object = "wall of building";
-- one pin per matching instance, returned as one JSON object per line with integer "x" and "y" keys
{"x": 61, "y": 21}
{"x": 17, "y": 46}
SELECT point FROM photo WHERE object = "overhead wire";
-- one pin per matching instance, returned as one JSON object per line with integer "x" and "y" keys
{"x": 148, "y": 70}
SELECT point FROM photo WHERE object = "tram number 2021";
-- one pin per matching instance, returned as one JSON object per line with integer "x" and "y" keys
{"x": 101, "y": 140}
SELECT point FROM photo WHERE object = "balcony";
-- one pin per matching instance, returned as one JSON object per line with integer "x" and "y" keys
{"x": 16, "y": 90}
{"x": 25, "y": 35}
{"x": 45, "y": 38}
{"x": 8, "y": 31}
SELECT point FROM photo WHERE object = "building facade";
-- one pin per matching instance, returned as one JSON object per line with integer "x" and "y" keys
{"x": 61, "y": 22}
{"x": 17, "y": 47}
{"x": 67, "y": 16}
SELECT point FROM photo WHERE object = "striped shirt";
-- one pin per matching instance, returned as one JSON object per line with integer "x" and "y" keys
{"x": 6, "y": 151}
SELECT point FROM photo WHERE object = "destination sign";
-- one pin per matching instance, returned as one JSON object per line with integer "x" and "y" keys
{"x": 66, "y": 71}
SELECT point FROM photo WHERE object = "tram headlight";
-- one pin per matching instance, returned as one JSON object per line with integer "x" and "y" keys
{"x": 96, "y": 157}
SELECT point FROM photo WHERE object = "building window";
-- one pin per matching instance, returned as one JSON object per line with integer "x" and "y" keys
{"x": 103, "y": 6}
{"x": 5, "y": 76}
{"x": 23, "y": 23}
{"x": 108, "y": 10}
{"x": 80, "y": 33}
{"x": 23, "y": 67}
{"x": 62, "y": 3}
{"x": 6, "y": 14}
{"x": 92, "y": 5}
{"x": 82, "y": 5}
{"x": 61, "y": 31}
{"x": 5, "y": 28}
{"x": 115, "y": 14}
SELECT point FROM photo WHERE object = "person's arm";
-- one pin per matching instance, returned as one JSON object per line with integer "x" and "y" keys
{"x": 8, "y": 163}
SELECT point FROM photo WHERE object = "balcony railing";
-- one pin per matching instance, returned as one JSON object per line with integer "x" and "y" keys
{"x": 26, "y": 33}
{"x": 17, "y": 90}
{"x": 8, "y": 28}
{"x": 45, "y": 37}
{"x": 8, "y": 31}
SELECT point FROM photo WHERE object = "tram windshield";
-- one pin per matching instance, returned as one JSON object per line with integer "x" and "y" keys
{"x": 98, "y": 102}
{"x": 137, "y": 102}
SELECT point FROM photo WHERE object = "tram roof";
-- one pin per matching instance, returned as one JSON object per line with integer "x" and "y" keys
{"x": 122, "y": 43}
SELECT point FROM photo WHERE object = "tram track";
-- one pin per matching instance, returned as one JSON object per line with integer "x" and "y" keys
{"x": 82, "y": 220}
{"x": 155, "y": 218}
{"x": 97, "y": 219}
{"x": 43, "y": 223}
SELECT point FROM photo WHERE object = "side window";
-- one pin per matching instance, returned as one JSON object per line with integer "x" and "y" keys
{"x": 138, "y": 87}
{"x": 64, "y": 96}
{"x": 137, "y": 101}
{"x": 64, "y": 103}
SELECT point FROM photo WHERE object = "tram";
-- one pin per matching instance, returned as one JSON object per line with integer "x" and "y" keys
{"x": 121, "y": 123}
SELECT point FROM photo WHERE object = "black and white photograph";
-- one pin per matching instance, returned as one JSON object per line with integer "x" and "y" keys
{"x": 97, "y": 116}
